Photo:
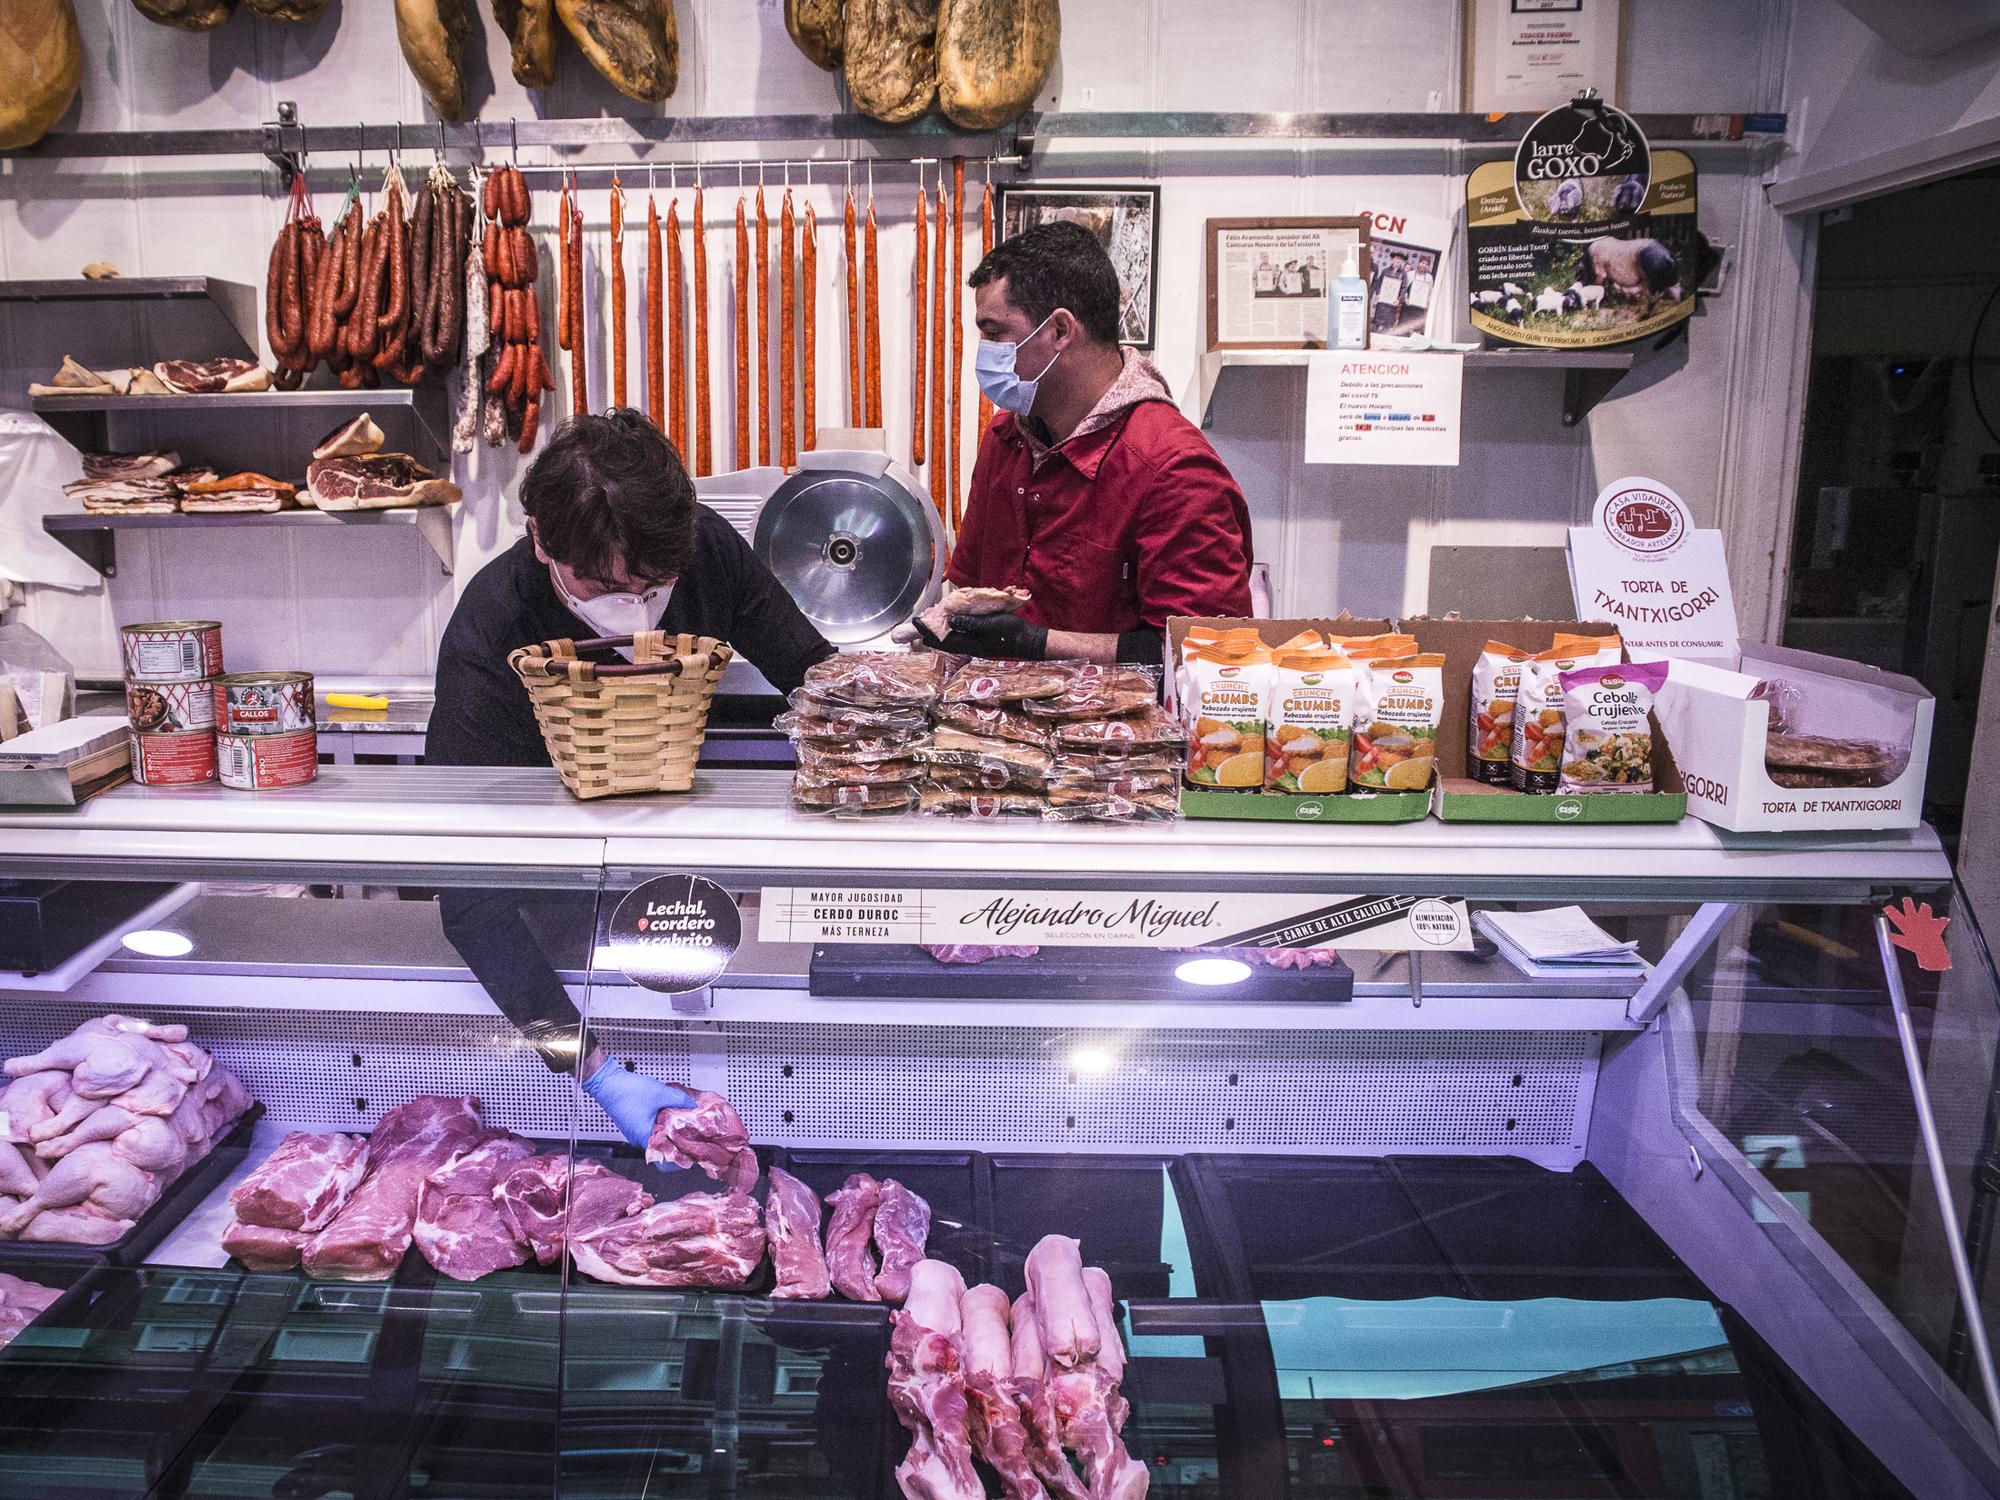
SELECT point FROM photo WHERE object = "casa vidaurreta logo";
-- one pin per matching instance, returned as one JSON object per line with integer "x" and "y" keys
{"x": 1647, "y": 521}
{"x": 1585, "y": 164}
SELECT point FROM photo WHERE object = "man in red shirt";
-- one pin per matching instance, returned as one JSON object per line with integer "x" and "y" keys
{"x": 1091, "y": 490}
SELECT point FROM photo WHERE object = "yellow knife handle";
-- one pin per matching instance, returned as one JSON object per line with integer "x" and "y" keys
{"x": 355, "y": 700}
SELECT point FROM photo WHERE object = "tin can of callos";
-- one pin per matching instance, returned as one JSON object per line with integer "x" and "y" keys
{"x": 264, "y": 702}
{"x": 266, "y": 762}
{"x": 185, "y": 759}
{"x": 170, "y": 707}
{"x": 172, "y": 650}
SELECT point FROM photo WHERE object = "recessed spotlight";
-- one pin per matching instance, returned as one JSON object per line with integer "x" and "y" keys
{"x": 1093, "y": 1060}
{"x": 1213, "y": 971}
{"x": 155, "y": 942}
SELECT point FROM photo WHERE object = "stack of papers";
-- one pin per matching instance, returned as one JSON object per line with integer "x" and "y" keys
{"x": 1561, "y": 942}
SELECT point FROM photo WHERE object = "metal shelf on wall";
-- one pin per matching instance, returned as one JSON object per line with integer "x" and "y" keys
{"x": 85, "y": 420}
{"x": 94, "y": 538}
{"x": 1589, "y": 375}
{"x": 236, "y": 301}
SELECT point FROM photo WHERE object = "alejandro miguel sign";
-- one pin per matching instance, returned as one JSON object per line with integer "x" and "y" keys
{"x": 1586, "y": 239}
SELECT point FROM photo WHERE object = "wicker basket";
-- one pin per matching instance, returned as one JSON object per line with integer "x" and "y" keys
{"x": 626, "y": 727}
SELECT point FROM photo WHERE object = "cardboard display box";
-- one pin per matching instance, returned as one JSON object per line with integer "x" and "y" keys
{"x": 1461, "y": 799}
{"x": 1287, "y": 807}
{"x": 1719, "y": 731}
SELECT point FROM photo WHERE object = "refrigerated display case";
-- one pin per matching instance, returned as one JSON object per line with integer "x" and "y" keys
{"x": 1412, "y": 1224}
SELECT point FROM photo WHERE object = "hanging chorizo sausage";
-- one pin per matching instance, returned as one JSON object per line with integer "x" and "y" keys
{"x": 788, "y": 453}
{"x": 809, "y": 333}
{"x": 703, "y": 446}
{"x": 918, "y": 416}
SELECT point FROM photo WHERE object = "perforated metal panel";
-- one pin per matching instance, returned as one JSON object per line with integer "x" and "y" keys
{"x": 1520, "y": 1093}
{"x": 1512, "y": 1092}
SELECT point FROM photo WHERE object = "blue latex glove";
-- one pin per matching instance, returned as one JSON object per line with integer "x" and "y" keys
{"x": 633, "y": 1100}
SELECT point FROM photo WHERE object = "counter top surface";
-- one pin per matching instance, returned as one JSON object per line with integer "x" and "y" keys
{"x": 741, "y": 821}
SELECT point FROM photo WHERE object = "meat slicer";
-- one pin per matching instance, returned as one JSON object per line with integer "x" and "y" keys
{"x": 851, "y": 534}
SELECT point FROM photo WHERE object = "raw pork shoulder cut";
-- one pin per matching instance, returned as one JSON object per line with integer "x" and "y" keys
{"x": 708, "y": 1134}
{"x": 460, "y": 1229}
{"x": 264, "y": 1249}
{"x": 902, "y": 1223}
{"x": 704, "y": 1239}
{"x": 530, "y": 1196}
{"x": 791, "y": 1221}
{"x": 303, "y": 1183}
{"x": 850, "y": 1258}
{"x": 207, "y": 377}
{"x": 366, "y": 1240}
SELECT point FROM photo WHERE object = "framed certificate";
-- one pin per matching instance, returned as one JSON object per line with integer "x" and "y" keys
{"x": 1126, "y": 221}
{"x": 1270, "y": 280}
{"x": 1536, "y": 54}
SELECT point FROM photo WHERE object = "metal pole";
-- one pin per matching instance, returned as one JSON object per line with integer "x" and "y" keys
{"x": 1920, "y": 1095}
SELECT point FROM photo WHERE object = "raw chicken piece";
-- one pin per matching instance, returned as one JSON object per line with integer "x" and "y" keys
{"x": 20, "y": 1172}
{"x": 83, "y": 1225}
{"x": 29, "y": 1100}
{"x": 1036, "y": 1406}
{"x": 1092, "y": 1412}
{"x": 262, "y": 1248}
{"x": 367, "y": 1239}
{"x": 791, "y": 1222}
{"x": 106, "y": 1122}
{"x": 1067, "y": 1322}
{"x": 303, "y": 1183}
{"x": 710, "y": 1135}
{"x": 543, "y": 1200}
{"x": 151, "y": 1142}
{"x": 998, "y": 1433}
{"x": 902, "y": 1223}
{"x": 460, "y": 1229}
{"x": 850, "y": 1260}
{"x": 927, "y": 1389}
{"x": 92, "y": 1175}
{"x": 703, "y": 1239}
{"x": 159, "y": 1093}
{"x": 110, "y": 1054}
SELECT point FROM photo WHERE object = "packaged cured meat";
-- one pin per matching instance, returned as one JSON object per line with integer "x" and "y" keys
{"x": 955, "y": 747}
{"x": 877, "y": 679}
{"x": 957, "y": 802}
{"x": 1150, "y": 728}
{"x": 982, "y": 680}
{"x": 859, "y": 752}
{"x": 856, "y": 801}
{"x": 987, "y": 776}
{"x": 1310, "y": 720}
{"x": 1073, "y": 767}
{"x": 993, "y": 722}
{"x": 1608, "y": 740}
{"x": 1121, "y": 783}
{"x": 1496, "y": 684}
{"x": 1535, "y": 752}
{"x": 1227, "y": 689}
{"x": 1076, "y": 806}
{"x": 813, "y": 718}
{"x": 832, "y": 774}
{"x": 1398, "y": 704}
{"x": 1097, "y": 692}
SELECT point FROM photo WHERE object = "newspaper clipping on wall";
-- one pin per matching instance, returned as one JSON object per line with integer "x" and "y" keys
{"x": 1270, "y": 281}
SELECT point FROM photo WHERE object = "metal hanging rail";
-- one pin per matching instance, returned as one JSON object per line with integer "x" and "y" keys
{"x": 284, "y": 140}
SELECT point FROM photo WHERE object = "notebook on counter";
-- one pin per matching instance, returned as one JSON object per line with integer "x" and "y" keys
{"x": 1559, "y": 943}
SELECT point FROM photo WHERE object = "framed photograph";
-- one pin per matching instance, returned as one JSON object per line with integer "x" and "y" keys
{"x": 1269, "y": 279}
{"x": 1126, "y": 221}
{"x": 1532, "y": 55}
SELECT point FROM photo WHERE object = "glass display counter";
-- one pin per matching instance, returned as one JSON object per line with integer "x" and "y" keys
{"x": 1412, "y": 1221}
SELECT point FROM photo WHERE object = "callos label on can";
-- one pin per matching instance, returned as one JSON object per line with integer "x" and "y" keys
{"x": 186, "y": 759}
{"x": 264, "y": 702}
{"x": 170, "y": 707}
{"x": 172, "y": 650}
{"x": 265, "y": 762}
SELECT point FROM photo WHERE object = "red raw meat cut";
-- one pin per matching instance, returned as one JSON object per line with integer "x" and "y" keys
{"x": 303, "y": 1184}
{"x": 703, "y": 1239}
{"x": 262, "y": 1248}
{"x": 530, "y": 1195}
{"x": 459, "y": 1227}
{"x": 978, "y": 953}
{"x": 189, "y": 377}
{"x": 998, "y": 1433}
{"x": 927, "y": 1392}
{"x": 367, "y": 1239}
{"x": 850, "y": 1257}
{"x": 791, "y": 1223}
{"x": 902, "y": 1223}
{"x": 1036, "y": 1406}
{"x": 1092, "y": 1413}
{"x": 708, "y": 1134}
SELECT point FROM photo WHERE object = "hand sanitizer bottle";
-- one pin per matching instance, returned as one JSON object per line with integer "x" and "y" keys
{"x": 1350, "y": 306}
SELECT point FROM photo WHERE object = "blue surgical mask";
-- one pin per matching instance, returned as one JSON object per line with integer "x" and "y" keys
{"x": 993, "y": 367}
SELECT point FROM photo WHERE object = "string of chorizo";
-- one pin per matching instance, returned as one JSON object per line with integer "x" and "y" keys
{"x": 763, "y": 330}
{"x": 871, "y": 333}
{"x": 918, "y": 416}
{"x": 742, "y": 336}
{"x": 855, "y": 412}
{"x": 788, "y": 452}
{"x": 985, "y": 249}
{"x": 578, "y": 325}
{"x": 703, "y": 447}
{"x": 677, "y": 426}
{"x": 940, "y": 455}
{"x": 656, "y": 386}
{"x": 957, "y": 331}
{"x": 617, "y": 293}
{"x": 809, "y": 333}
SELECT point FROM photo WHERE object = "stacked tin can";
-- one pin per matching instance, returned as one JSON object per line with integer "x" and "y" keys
{"x": 266, "y": 730}
{"x": 170, "y": 672}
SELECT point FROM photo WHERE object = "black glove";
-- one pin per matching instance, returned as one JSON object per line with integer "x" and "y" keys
{"x": 1006, "y": 636}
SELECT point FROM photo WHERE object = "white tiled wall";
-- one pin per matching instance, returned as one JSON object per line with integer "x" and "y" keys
{"x": 1335, "y": 537}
